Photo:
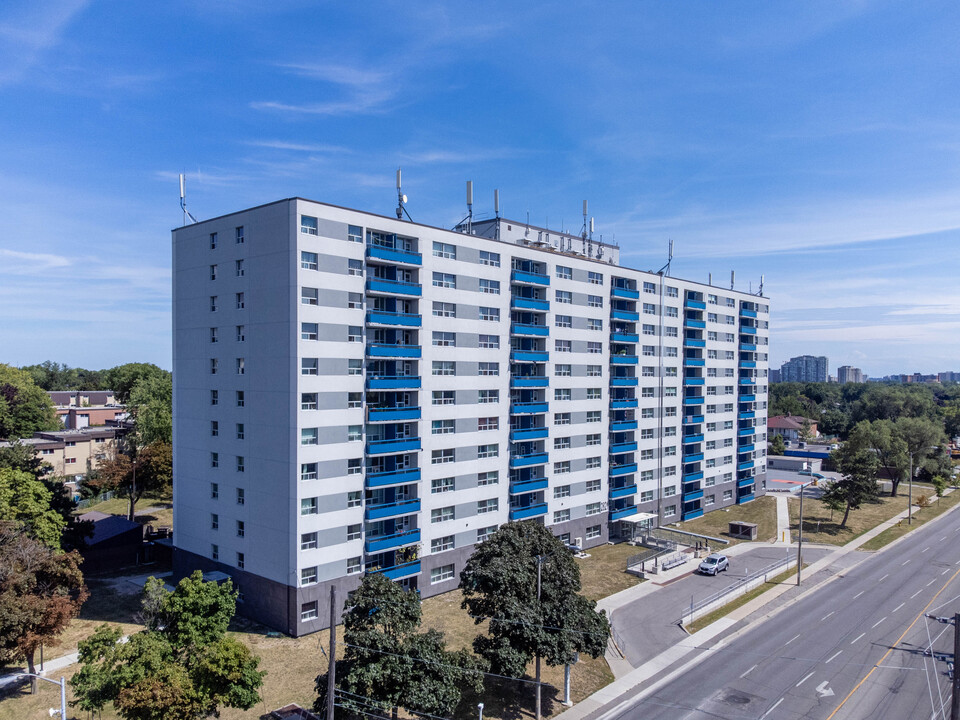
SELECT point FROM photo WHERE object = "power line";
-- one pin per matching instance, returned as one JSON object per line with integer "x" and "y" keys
{"x": 361, "y": 698}
{"x": 543, "y": 627}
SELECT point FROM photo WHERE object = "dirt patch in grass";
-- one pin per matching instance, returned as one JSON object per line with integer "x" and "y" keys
{"x": 702, "y": 622}
{"x": 920, "y": 517}
{"x": 762, "y": 511}
{"x": 821, "y": 525}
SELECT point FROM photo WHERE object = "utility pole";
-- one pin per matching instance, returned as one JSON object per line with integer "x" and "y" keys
{"x": 332, "y": 672}
{"x": 910, "y": 493}
{"x": 800, "y": 536}
{"x": 955, "y": 701}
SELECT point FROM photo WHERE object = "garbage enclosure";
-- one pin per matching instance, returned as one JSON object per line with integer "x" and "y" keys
{"x": 743, "y": 530}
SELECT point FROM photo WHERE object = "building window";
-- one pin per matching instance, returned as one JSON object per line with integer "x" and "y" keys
{"x": 308, "y": 506}
{"x": 355, "y": 367}
{"x": 241, "y": 529}
{"x": 309, "y": 436}
{"x": 444, "y": 339}
{"x": 488, "y": 423}
{"x": 354, "y": 400}
{"x": 308, "y": 471}
{"x": 561, "y": 443}
{"x": 214, "y": 521}
{"x": 489, "y": 368}
{"x": 309, "y": 366}
{"x": 442, "y": 514}
{"x": 484, "y": 533}
{"x": 441, "y": 544}
{"x": 355, "y": 267}
{"x": 490, "y": 287}
{"x": 488, "y": 396}
{"x": 561, "y": 468}
{"x": 353, "y": 566}
{"x": 354, "y": 466}
{"x": 594, "y": 370}
{"x": 594, "y": 393}
{"x": 213, "y": 334}
{"x": 594, "y": 324}
{"x": 441, "y": 427}
{"x": 213, "y": 303}
{"x": 491, "y": 477}
{"x": 214, "y": 397}
{"x": 442, "y": 309}
{"x": 563, "y": 346}
{"x": 594, "y": 278}
{"x": 214, "y": 491}
{"x": 442, "y": 457}
{"x": 445, "y": 250}
{"x": 593, "y": 485}
{"x": 488, "y": 451}
{"x": 241, "y": 465}
{"x": 489, "y": 258}
{"x": 239, "y": 268}
{"x": 241, "y": 333}
{"x": 562, "y": 394}
{"x": 593, "y": 532}
{"x": 564, "y": 273}
{"x": 308, "y": 541}
{"x": 240, "y": 564}
{"x": 239, "y": 235}
{"x": 308, "y": 576}
{"x": 354, "y": 532}
{"x": 354, "y": 301}
{"x": 443, "y": 397}
{"x": 354, "y": 433}
{"x": 444, "y": 280}
{"x": 241, "y": 366}
{"x": 309, "y": 611}
{"x": 215, "y": 552}
{"x": 241, "y": 302}
{"x": 594, "y": 348}
{"x": 214, "y": 366}
{"x": 214, "y": 459}
{"x": 560, "y": 516}
{"x": 593, "y": 439}
{"x": 308, "y": 225}
{"x": 308, "y": 401}
{"x": 441, "y": 485}
{"x": 593, "y": 462}
{"x": 489, "y": 341}
{"x": 594, "y": 416}
{"x": 670, "y": 510}
{"x": 441, "y": 574}
{"x": 594, "y": 508}
{"x": 354, "y": 333}
{"x": 309, "y": 260}
{"x": 354, "y": 233}
{"x": 728, "y": 494}
{"x": 672, "y": 292}
{"x": 594, "y": 301}
{"x": 564, "y": 297}
{"x": 561, "y": 418}
{"x": 562, "y": 370}
{"x": 309, "y": 331}
{"x": 444, "y": 367}
{"x": 561, "y": 491}
{"x": 487, "y": 506}
{"x": 563, "y": 321}
{"x": 213, "y": 241}
{"x": 213, "y": 272}
{"x": 490, "y": 314}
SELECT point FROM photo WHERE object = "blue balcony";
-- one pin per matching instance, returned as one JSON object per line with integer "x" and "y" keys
{"x": 389, "y": 510}
{"x": 623, "y": 425}
{"x": 748, "y": 364}
{"x": 529, "y": 381}
{"x": 398, "y": 414}
{"x": 690, "y": 342}
{"x": 521, "y": 303}
{"x": 744, "y": 482}
{"x": 693, "y": 362}
{"x": 622, "y": 492}
{"x": 529, "y": 408}
{"x": 529, "y": 278}
{"x": 392, "y": 447}
{"x": 691, "y": 477}
{"x": 623, "y": 512}
{"x": 747, "y": 398}
{"x": 693, "y": 381}
{"x": 376, "y": 286}
{"x": 748, "y": 415}
{"x": 520, "y": 488}
{"x": 624, "y": 447}
{"x": 529, "y": 434}
{"x": 393, "y": 382}
{"x": 622, "y": 404}
{"x": 623, "y": 337}
{"x": 746, "y": 448}
{"x": 619, "y": 292}
{"x": 377, "y": 317}
{"x": 747, "y": 347}
{"x": 390, "y": 542}
{"x": 517, "y": 461}
{"x": 524, "y": 329}
{"x": 376, "y": 252}
{"x": 393, "y": 477}
{"x": 625, "y": 315}
{"x": 693, "y": 438}
{"x": 748, "y": 313}
{"x": 398, "y": 572}
{"x": 745, "y": 465}
{"x": 390, "y": 350}
{"x": 693, "y": 514}
{"x": 624, "y": 360}
{"x": 745, "y": 432}
{"x": 695, "y": 495}
{"x": 687, "y": 322}
{"x": 529, "y": 356}
{"x": 624, "y": 381}
{"x": 748, "y": 330}
{"x": 744, "y": 499}
{"x": 692, "y": 419}
{"x": 692, "y": 457}
{"x": 617, "y": 470}
{"x": 695, "y": 304}
{"x": 528, "y": 512}
{"x": 748, "y": 381}
{"x": 693, "y": 400}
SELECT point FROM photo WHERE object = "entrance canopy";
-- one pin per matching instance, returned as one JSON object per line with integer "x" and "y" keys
{"x": 639, "y": 518}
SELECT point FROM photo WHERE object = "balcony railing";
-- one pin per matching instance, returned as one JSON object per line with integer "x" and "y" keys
{"x": 398, "y": 572}
{"x": 624, "y": 337}
{"x": 623, "y": 404}
{"x": 623, "y": 425}
{"x": 691, "y": 342}
{"x": 695, "y": 304}
{"x": 529, "y": 408}
{"x": 528, "y": 512}
{"x": 622, "y": 492}
{"x": 389, "y": 478}
{"x": 522, "y": 303}
{"x": 625, "y": 315}
{"x": 624, "y": 360}
{"x": 536, "y": 433}
{"x": 522, "y": 276}
{"x": 627, "y": 469}
{"x": 391, "y": 447}
{"x": 529, "y": 356}
{"x": 389, "y": 510}
{"x": 687, "y": 322}
{"x": 525, "y": 329}
{"x": 390, "y": 255}
{"x": 379, "y": 317}
{"x": 393, "y": 287}
{"x": 623, "y": 447}
{"x": 389, "y": 542}
{"x": 624, "y": 381}
{"x": 393, "y": 382}
{"x": 521, "y": 488}
{"x": 619, "y": 292}
{"x": 623, "y": 512}
{"x": 517, "y": 461}
{"x": 393, "y": 350}
{"x": 394, "y": 414}
{"x": 520, "y": 381}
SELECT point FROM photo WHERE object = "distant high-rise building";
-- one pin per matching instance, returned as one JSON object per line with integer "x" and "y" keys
{"x": 774, "y": 375}
{"x": 948, "y": 377}
{"x": 806, "y": 368}
{"x": 848, "y": 374}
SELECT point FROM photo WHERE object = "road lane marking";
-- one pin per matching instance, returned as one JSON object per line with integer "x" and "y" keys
{"x": 827, "y": 615}
{"x": 879, "y": 621}
{"x": 943, "y": 538}
{"x": 904, "y": 563}
{"x": 884, "y": 577}
{"x": 931, "y": 582}
{"x": 899, "y": 606}
{"x": 891, "y": 648}
{"x": 823, "y": 689}
{"x": 748, "y": 672}
{"x": 945, "y": 571}
{"x": 857, "y": 638}
{"x": 915, "y": 594}
{"x": 833, "y": 656}
{"x": 771, "y": 709}
{"x": 859, "y": 594}
{"x": 790, "y": 640}
{"x": 804, "y": 680}
{"x": 924, "y": 550}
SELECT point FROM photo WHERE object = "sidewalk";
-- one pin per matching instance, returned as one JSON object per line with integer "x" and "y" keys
{"x": 635, "y": 679}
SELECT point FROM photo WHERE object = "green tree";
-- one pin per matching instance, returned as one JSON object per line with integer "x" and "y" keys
{"x": 387, "y": 664}
{"x": 858, "y": 484}
{"x": 806, "y": 430}
{"x": 123, "y": 378}
{"x": 24, "y": 407}
{"x": 182, "y": 667}
{"x": 153, "y": 473}
{"x": 41, "y": 590}
{"x": 920, "y": 437}
{"x": 500, "y": 582}
{"x": 151, "y": 406}
{"x": 939, "y": 485}
{"x": 777, "y": 446}
{"x": 891, "y": 451}
{"x": 26, "y": 500}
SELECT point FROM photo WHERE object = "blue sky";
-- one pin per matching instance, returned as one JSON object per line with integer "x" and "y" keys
{"x": 814, "y": 143}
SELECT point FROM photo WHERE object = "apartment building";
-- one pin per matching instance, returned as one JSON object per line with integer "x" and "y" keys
{"x": 355, "y": 393}
{"x": 806, "y": 368}
{"x": 72, "y": 452}
{"x": 849, "y": 374}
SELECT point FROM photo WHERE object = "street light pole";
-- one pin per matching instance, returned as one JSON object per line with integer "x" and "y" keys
{"x": 63, "y": 692}
{"x": 800, "y": 536}
{"x": 910, "y": 494}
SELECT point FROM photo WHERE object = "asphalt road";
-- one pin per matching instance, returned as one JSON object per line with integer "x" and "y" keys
{"x": 851, "y": 650}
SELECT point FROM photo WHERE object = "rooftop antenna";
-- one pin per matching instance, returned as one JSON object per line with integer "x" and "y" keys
{"x": 183, "y": 201}
{"x": 469, "y": 207}
{"x": 401, "y": 201}
{"x": 665, "y": 270}
{"x": 733, "y": 277}
{"x": 600, "y": 244}
{"x": 496, "y": 210}
{"x": 526, "y": 233}
{"x": 709, "y": 278}
{"x": 583, "y": 232}
{"x": 760, "y": 292}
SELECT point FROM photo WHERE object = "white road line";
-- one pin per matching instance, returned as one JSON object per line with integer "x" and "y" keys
{"x": 915, "y": 594}
{"x": 931, "y": 582}
{"x": 857, "y": 638}
{"x": 904, "y": 563}
{"x": 748, "y": 672}
{"x": 771, "y": 709}
{"x": 879, "y": 621}
{"x": 859, "y": 594}
{"x": 827, "y": 615}
{"x": 884, "y": 577}
{"x": 924, "y": 550}
{"x": 899, "y": 606}
{"x": 804, "y": 680}
{"x": 943, "y": 538}
{"x": 832, "y": 656}
{"x": 790, "y": 640}
{"x": 945, "y": 571}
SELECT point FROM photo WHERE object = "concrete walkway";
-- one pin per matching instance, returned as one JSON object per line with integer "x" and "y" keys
{"x": 783, "y": 520}
{"x": 636, "y": 680}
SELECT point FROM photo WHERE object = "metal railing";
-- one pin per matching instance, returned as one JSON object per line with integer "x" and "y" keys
{"x": 688, "y": 614}
{"x": 89, "y": 502}
{"x": 683, "y": 537}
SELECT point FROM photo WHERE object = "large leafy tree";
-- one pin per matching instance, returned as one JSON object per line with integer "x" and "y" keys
{"x": 921, "y": 437}
{"x": 891, "y": 451}
{"x": 26, "y": 500}
{"x": 182, "y": 667}
{"x": 151, "y": 406}
{"x": 499, "y": 582}
{"x": 41, "y": 590}
{"x": 153, "y": 472}
{"x": 24, "y": 407}
{"x": 858, "y": 483}
{"x": 388, "y": 665}
{"x": 122, "y": 378}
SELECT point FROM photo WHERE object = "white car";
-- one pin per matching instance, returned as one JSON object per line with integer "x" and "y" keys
{"x": 713, "y": 564}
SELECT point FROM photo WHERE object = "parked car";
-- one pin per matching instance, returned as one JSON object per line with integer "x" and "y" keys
{"x": 713, "y": 564}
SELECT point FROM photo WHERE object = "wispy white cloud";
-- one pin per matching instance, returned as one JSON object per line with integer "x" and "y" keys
{"x": 361, "y": 90}
{"x": 20, "y": 263}
{"x": 28, "y": 30}
{"x": 298, "y": 147}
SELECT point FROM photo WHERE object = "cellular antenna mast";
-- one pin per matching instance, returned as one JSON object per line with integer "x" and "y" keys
{"x": 183, "y": 201}
{"x": 469, "y": 207}
{"x": 665, "y": 270}
{"x": 496, "y": 210}
{"x": 733, "y": 277}
{"x": 401, "y": 201}
{"x": 760, "y": 291}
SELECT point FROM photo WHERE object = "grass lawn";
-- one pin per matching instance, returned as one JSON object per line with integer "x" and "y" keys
{"x": 762, "y": 511}
{"x": 160, "y": 508}
{"x": 821, "y": 525}
{"x": 919, "y": 518}
{"x": 604, "y": 572}
{"x": 711, "y": 617}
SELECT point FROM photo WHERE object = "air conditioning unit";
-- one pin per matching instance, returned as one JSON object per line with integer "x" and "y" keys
{"x": 578, "y": 542}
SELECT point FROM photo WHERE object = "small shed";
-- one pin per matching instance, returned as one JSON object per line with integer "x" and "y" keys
{"x": 743, "y": 530}
{"x": 116, "y": 543}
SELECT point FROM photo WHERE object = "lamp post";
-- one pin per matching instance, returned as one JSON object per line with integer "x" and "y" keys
{"x": 63, "y": 692}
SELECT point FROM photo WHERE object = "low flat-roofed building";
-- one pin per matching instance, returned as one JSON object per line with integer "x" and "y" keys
{"x": 72, "y": 452}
